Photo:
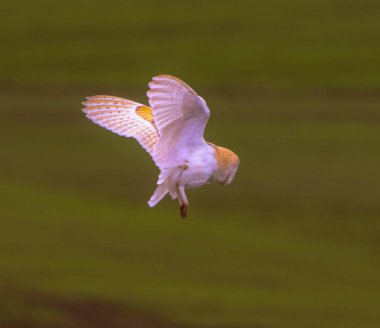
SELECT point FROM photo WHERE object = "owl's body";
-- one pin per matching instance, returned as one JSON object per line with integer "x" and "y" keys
{"x": 171, "y": 130}
{"x": 197, "y": 168}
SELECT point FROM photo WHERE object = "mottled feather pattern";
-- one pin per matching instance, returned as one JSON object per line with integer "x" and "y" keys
{"x": 146, "y": 113}
{"x": 124, "y": 117}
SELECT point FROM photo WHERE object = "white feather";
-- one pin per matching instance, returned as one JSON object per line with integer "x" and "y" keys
{"x": 180, "y": 116}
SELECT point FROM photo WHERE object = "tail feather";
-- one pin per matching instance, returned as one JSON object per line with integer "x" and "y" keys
{"x": 165, "y": 185}
{"x": 159, "y": 193}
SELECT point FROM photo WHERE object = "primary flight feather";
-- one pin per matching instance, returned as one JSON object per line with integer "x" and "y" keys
{"x": 171, "y": 131}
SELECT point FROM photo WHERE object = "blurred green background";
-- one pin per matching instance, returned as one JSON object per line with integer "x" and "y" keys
{"x": 293, "y": 87}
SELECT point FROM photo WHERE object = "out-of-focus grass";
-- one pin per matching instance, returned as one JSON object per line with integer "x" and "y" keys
{"x": 242, "y": 44}
{"x": 293, "y": 242}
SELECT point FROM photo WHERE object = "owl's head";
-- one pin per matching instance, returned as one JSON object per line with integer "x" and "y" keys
{"x": 227, "y": 165}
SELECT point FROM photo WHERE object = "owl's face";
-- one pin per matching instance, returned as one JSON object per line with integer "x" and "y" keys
{"x": 228, "y": 163}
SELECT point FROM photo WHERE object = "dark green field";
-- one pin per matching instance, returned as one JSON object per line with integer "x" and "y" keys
{"x": 294, "y": 90}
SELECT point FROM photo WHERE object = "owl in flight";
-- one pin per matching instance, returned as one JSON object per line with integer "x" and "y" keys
{"x": 171, "y": 131}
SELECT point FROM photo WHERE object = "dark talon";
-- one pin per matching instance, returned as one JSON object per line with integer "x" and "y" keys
{"x": 183, "y": 210}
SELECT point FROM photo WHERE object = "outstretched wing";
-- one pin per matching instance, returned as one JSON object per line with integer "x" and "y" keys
{"x": 124, "y": 117}
{"x": 180, "y": 116}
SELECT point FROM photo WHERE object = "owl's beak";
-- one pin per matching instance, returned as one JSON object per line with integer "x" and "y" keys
{"x": 230, "y": 176}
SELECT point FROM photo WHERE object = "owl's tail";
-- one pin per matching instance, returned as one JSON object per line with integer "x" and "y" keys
{"x": 159, "y": 193}
{"x": 166, "y": 184}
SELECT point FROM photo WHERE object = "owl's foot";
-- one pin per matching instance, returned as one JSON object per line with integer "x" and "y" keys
{"x": 183, "y": 210}
{"x": 183, "y": 202}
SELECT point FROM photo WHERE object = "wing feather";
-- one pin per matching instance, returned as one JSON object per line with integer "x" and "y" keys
{"x": 180, "y": 116}
{"x": 124, "y": 117}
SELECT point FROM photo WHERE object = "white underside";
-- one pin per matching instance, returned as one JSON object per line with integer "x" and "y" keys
{"x": 196, "y": 169}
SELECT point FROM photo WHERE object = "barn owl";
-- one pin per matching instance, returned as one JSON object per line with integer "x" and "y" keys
{"x": 171, "y": 131}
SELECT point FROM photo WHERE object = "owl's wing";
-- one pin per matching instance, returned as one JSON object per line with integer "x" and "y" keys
{"x": 180, "y": 116}
{"x": 124, "y": 117}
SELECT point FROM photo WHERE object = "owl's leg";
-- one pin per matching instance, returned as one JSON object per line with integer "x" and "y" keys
{"x": 182, "y": 199}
